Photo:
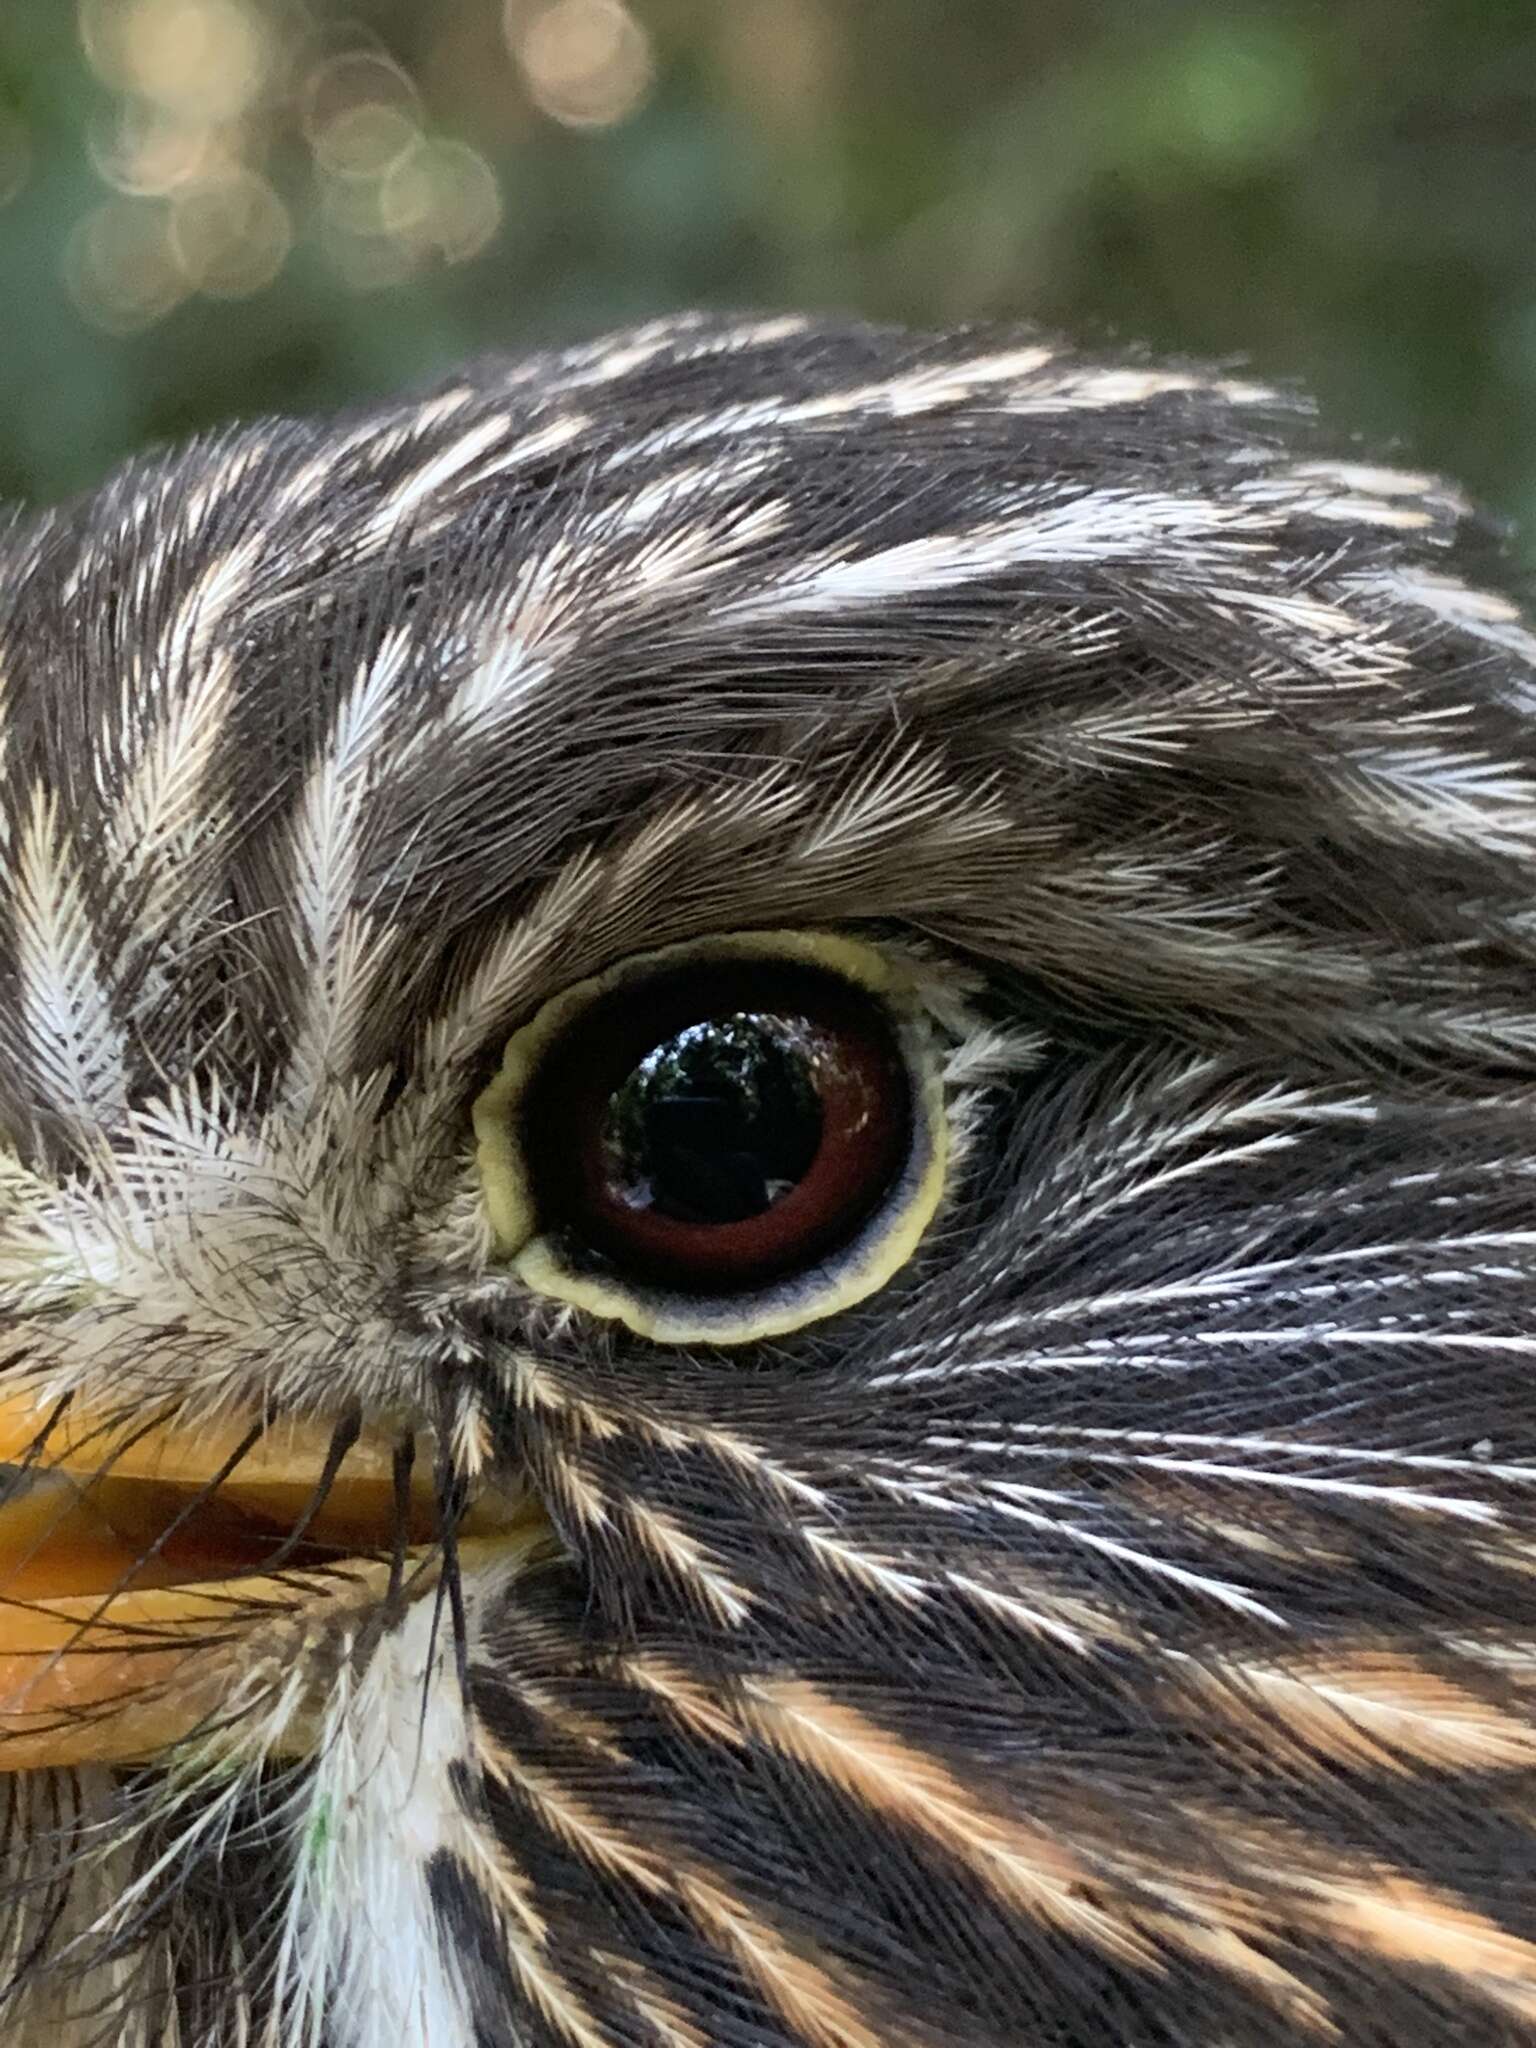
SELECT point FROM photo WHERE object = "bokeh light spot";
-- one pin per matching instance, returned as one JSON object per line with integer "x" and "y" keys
{"x": 205, "y": 57}
{"x": 443, "y": 196}
{"x": 366, "y": 140}
{"x": 231, "y": 236}
{"x": 587, "y": 63}
{"x": 342, "y": 103}
{"x": 119, "y": 268}
{"x": 147, "y": 152}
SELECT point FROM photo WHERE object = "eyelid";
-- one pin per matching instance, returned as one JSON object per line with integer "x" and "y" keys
{"x": 866, "y": 1263}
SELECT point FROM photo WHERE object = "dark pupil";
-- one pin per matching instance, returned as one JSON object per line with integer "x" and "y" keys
{"x": 718, "y": 1122}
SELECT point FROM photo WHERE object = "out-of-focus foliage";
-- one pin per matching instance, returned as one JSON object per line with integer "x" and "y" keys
{"x": 211, "y": 207}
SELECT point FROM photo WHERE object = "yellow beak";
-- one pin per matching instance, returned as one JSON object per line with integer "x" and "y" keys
{"x": 149, "y": 1573}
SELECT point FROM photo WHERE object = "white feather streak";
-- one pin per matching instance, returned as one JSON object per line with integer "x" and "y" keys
{"x": 78, "y": 1053}
{"x": 1099, "y": 526}
{"x": 339, "y": 942}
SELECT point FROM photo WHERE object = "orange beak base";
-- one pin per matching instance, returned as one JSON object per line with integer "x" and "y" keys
{"x": 149, "y": 1577}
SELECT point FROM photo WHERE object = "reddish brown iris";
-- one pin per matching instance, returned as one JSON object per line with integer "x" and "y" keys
{"x": 719, "y": 1125}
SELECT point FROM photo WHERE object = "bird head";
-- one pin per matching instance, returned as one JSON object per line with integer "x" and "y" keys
{"x": 765, "y": 1254}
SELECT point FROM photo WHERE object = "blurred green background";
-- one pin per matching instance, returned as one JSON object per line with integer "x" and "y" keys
{"x": 209, "y": 207}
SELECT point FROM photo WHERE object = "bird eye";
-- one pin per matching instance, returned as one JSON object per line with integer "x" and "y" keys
{"x": 718, "y": 1141}
{"x": 718, "y": 1125}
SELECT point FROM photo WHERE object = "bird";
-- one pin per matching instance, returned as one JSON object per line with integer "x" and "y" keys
{"x": 766, "y": 1254}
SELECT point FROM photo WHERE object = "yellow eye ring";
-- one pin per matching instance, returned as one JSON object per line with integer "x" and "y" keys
{"x": 806, "y": 1060}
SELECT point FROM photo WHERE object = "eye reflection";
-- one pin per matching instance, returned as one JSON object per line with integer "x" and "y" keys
{"x": 720, "y": 1121}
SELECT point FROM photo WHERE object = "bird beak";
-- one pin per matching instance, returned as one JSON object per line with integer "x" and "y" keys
{"x": 150, "y": 1572}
